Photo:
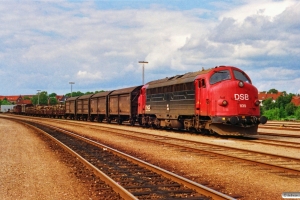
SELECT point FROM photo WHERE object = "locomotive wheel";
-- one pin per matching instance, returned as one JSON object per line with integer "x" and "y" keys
{"x": 140, "y": 121}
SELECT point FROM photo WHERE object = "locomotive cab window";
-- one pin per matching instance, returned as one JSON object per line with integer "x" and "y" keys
{"x": 241, "y": 76}
{"x": 219, "y": 76}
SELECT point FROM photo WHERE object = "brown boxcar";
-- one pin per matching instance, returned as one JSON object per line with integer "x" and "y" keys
{"x": 123, "y": 105}
{"x": 70, "y": 108}
{"x": 17, "y": 109}
{"x": 82, "y": 107}
{"x": 98, "y": 106}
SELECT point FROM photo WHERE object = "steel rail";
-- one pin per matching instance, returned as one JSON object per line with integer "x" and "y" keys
{"x": 211, "y": 152}
{"x": 283, "y": 128}
{"x": 115, "y": 186}
{"x": 216, "y": 153}
{"x": 279, "y": 134}
{"x": 275, "y": 143}
{"x": 288, "y": 169}
{"x": 188, "y": 183}
{"x": 206, "y": 151}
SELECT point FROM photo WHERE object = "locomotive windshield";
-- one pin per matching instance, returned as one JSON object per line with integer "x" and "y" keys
{"x": 219, "y": 76}
{"x": 241, "y": 76}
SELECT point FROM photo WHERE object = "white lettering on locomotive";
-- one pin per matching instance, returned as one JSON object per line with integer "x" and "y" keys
{"x": 243, "y": 105}
{"x": 241, "y": 97}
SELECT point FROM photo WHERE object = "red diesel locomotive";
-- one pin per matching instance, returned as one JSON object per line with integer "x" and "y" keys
{"x": 220, "y": 100}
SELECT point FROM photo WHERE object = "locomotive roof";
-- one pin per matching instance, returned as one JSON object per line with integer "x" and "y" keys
{"x": 178, "y": 79}
{"x": 125, "y": 90}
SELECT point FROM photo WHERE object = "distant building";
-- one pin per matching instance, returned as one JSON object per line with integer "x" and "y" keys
{"x": 274, "y": 96}
{"x": 264, "y": 95}
{"x": 296, "y": 100}
{"x": 6, "y": 108}
{"x": 12, "y": 99}
{"x": 19, "y": 99}
{"x": 61, "y": 98}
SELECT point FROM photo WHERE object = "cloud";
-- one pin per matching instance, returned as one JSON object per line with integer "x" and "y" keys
{"x": 268, "y": 8}
{"x": 62, "y": 41}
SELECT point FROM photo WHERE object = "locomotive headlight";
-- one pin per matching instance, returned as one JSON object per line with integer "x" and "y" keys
{"x": 241, "y": 84}
{"x": 222, "y": 102}
{"x": 257, "y": 103}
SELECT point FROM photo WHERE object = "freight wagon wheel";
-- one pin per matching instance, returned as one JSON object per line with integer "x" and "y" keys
{"x": 91, "y": 118}
{"x": 119, "y": 121}
{"x": 132, "y": 122}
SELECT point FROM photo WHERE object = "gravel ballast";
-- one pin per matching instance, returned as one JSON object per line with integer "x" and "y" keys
{"x": 237, "y": 179}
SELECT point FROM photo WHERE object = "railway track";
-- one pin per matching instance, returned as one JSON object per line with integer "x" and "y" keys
{"x": 281, "y": 126}
{"x": 280, "y": 134}
{"x": 128, "y": 176}
{"x": 273, "y": 142}
{"x": 271, "y": 161}
{"x": 281, "y": 164}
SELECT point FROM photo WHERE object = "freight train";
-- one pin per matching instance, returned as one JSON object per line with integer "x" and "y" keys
{"x": 219, "y": 100}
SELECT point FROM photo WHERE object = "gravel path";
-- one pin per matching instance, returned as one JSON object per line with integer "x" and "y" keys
{"x": 34, "y": 168}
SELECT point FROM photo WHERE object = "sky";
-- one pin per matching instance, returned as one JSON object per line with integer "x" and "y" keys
{"x": 45, "y": 44}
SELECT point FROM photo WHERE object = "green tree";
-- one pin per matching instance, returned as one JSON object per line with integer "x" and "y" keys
{"x": 273, "y": 114}
{"x": 52, "y": 100}
{"x": 40, "y": 98}
{"x": 282, "y": 113}
{"x": 5, "y": 102}
{"x": 297, "y": 113}
{"x": 274, "y": 91}
{"x": 290, "y": 109}
{"x": 53, "y": 95}
{"x": 75, "y": 94}
{"x": 99, "y": 91}
{"x": 268, "y": 104}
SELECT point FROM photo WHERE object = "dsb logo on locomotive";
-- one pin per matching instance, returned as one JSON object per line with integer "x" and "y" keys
{"x": 241, "y": 97}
